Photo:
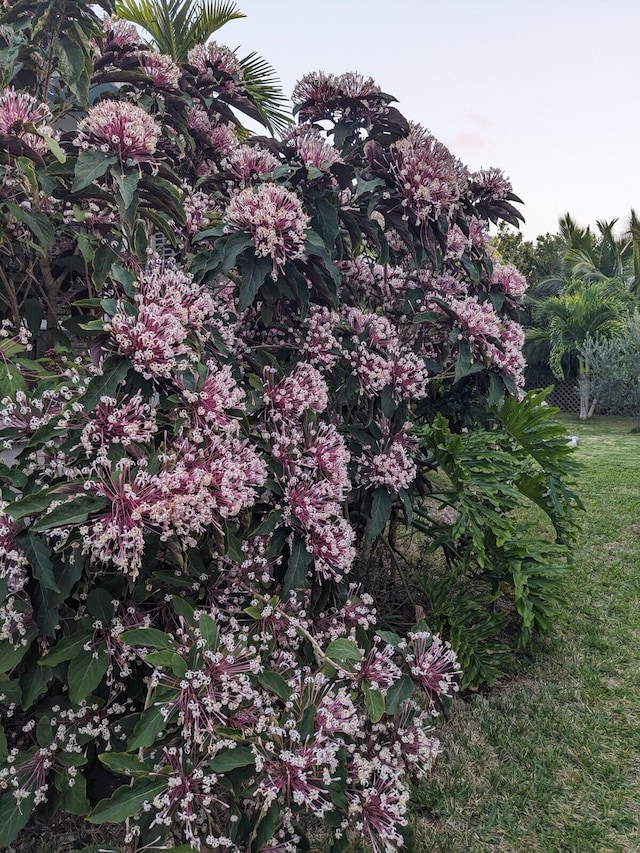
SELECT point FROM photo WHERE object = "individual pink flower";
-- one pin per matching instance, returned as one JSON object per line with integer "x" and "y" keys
{"x": 378, "y": 668}
{"x": 477, "y": 321}
{"x": 325, "y": 453}
{"x": 120, "y": 33}
{"x": 18, "y": 112}
{"x": 508, "y": 356}
{"x": 120, "y": 128}
{"x": 274, "y": 218}
{"x": 197, "y": 207}
{"x": 172, "y": 312}
{"x": 210, "y": 401}
{"x": 377, "y": 810}
{"x": 315, "y": 92}
{"x": 298, "y": 772}
{"x": 321, "y": 96}
{"x": 410, "y": 737}
{"x": 457, "y": 243}
{"x": 311, "y": 503}
{"x": 116, "y": 536}
{"x": 12, "y": 558}
{"x": 393, "y": 468}
{"x": 332, "y": 545}
{"x": 320, "y": 344}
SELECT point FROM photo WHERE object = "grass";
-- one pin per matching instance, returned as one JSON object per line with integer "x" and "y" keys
{"x": 549, "y": 762}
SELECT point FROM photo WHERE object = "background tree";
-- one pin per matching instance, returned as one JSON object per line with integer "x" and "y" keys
{"x": 564, "y": 323}
{"x": 615, "y": 369}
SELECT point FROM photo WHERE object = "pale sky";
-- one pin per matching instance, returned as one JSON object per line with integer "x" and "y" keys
{"x": 545, "y": 90}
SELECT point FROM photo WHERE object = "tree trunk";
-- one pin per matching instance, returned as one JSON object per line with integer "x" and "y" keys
{"x": 584, "y": 388}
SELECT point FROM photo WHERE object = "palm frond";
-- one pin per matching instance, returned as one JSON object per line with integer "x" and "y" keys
{"x": 176, "y": 26}
{"x": 634, "y": 232}
{"x": 264, "y": 89}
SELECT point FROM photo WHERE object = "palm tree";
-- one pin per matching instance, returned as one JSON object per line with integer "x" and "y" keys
{"x": 176, "y": 26}
{"x": 565, "y": 322}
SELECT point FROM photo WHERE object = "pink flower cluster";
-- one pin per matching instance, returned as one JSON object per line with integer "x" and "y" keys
{"x": 219, "y": 136}
{"x": 392, "y": 467}
{"x": 120, "y": 128}
{"x": 509, "y": 280}
{"x": 427, "y": 176}
{"x": 246, "y": 163}
{"x": 22, "y": 116}
{"x": 310, "y": 147}
{"x": 171, "y": 316}
{"x": 274, "y": 218}
{"x": 159, "y": 68}
{"x": 324, "y": 96}
{"x": 217, "y": 61}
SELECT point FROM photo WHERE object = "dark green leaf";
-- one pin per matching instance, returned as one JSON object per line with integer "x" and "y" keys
{"x": 67, "y": 649}
{"x": 73, "y": 799}
{"x": 254, "y": 271}
{"x": 103, "y": 258}
{"x": 325, "y": 221}
{"x": 39, "y": 555}
{"x": 209, "y": 631}
{"x": 114, "y": 371}
{"x": 38, "y": 223}
{"x": 341, "y": 650}
{"x": 147, "y": 729}
{"x": 75, "y": 511}
{"x": 231, "y": 759}
{"x": 127, "y": 801}
{"x": 399, "y": 692}
{"x": 374, "y": 703}
{"x": 100, "y": 605}
{"x": 150, "y": 638}
{"x": 13, "y": 817}
{"x": 123, "y": 762}
{"x": 90, "y": 166}
{"x": 299, "y": 561}
{"x": 10, "y": 691}
{"x": 275, "y": 683}
{"x": 86, "y": 673}
{"x": 380, "y": 512}
{"x": 127, "y": 185}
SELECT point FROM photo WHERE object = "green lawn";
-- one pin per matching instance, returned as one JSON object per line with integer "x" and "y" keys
{"x": 549, "y": 762}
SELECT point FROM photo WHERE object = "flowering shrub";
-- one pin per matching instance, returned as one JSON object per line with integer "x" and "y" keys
{"x": 211, "y": 434}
